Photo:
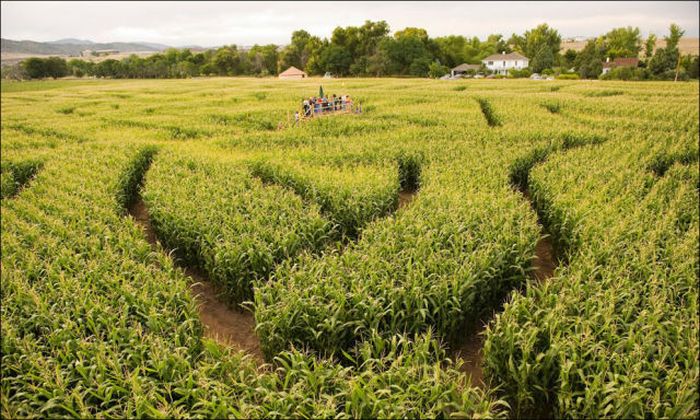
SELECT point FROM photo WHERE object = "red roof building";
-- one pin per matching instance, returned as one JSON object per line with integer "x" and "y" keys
{"x": 620, "y": 62}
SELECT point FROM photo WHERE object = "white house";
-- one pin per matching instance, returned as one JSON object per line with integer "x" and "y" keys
{"x": 501, "y": 63}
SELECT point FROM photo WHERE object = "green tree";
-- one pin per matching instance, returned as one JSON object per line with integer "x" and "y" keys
{"x": 379, "y": 63}
{"x": 360, "y": 43}
{"x": 35, "y": 68}
{"x": 649, "y": 46}
{"x": 437, "y": 70}
{"x": 589, "y": 62}
{"x": 623, "y": 42}
{"x": 370, "y": 35}
{"x": 691, "y": 64}
{"x": 108, "y": 68}
{"x": 263, "y": 59}
{"x": 674, "y": 37}
{"x": 227, "y": 61}
{"x": 80, "y": 68}
{"x": 299, "y": 52}
{"x": 452, "y": 50}
{"x": 409, "y": 52}
{"x": 334, "y": 59}
{"x": 663, "y": 64}
{"x": 56, "y": 67}
{"x": 569, "y": 59}
{"x": 419, "y": 67}
{"x": 541, "y": 45}
{"x": 499, "y": 44}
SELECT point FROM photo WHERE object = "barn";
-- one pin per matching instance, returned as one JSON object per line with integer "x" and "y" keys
{"x": 293, "y": 73}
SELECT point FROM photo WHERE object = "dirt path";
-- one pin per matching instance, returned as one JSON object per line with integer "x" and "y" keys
{"x": 406, "y": 196}
{"x": 229, "y": 327}
{"x": 470, "y": 351}
{"x": 545, "y": 257}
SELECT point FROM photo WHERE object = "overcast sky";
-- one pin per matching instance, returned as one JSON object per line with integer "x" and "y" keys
{"x": 247, "y": 23}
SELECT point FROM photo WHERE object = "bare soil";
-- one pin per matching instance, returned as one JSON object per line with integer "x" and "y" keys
{"x": 545, "y": 261}
{"x": 686, "y": 45}
{"x": 470, "y": 351}
{"x": 405, "y": 197}
{"x": 227, "y": 326}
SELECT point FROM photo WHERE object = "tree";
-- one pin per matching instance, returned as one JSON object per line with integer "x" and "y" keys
{"x": 541, "y": 45}
{"x": 452, "y": 50}
{"x": 35, "y": 68}
{"x": 589, "y": 61}
{"x": 334, "y": 59}
{"x": 569, "y": 59}
{"x": 370, "y": 35}
{"x": 691, "y": 66}
{"x": 674, "y": 37}
{"x": 80, "y": 68}
{"x": 360, "y": 43}
{"x": 263, "y": 59}
{"x": 227, "y": 60}
{"x": 38, "y": 68}
{"x": 379, "y": 63}
{"x": 437, "y": 70}
{"x": 301, "y": 49}
{"x": 500, "y": 45}
{"x": 419, "y": 67}
{"x": 663, "y": 64}
{"x": 649, "y": 46}
{"x": 56, "y": 67}
{"x": 107, "y": 68}
{"x": 408, "y": 52}
{"x": 544, "y": 59}
{"x": 623, "y": 42}
{"x": 13, "y": 72}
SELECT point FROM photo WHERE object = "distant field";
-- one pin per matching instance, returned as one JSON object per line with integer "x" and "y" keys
{"x": 686, "y": 45}
{"x": 472, "y": 248}
{"x": 10, "y": 58}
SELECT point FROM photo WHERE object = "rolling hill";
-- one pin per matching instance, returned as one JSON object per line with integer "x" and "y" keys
{"x": 72, "y": 47}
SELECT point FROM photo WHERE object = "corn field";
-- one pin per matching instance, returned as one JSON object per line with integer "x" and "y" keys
{"x": 359, "y": 297}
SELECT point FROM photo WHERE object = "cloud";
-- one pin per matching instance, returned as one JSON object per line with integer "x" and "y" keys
{"x": 246, "y": 23}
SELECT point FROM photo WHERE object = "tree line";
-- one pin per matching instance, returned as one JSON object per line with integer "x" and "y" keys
{"x": 370, "y": 50}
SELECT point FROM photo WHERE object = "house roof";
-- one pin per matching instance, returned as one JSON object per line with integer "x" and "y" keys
{"x": 509, "y": 56}
{"x": 465, "y": 67}
{"x": 293, "y": 71}
{"x": 622, "y": 62}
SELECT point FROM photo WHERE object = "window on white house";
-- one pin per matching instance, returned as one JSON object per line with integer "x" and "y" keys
{"x": 504, "y": 64}
{"x": 490, "y": 63}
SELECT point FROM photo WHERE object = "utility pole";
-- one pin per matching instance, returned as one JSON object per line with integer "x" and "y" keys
{"x": 678, "y": 66}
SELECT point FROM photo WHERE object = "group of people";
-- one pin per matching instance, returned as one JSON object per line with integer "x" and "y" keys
{"x": 315, "y": 106}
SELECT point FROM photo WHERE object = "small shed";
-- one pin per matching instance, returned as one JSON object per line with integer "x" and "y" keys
{"x": 293, "y": 73}
{"x": 463, "y": 68}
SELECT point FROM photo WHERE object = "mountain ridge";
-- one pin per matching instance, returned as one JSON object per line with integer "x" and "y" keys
{"x": 73, "y": 47}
